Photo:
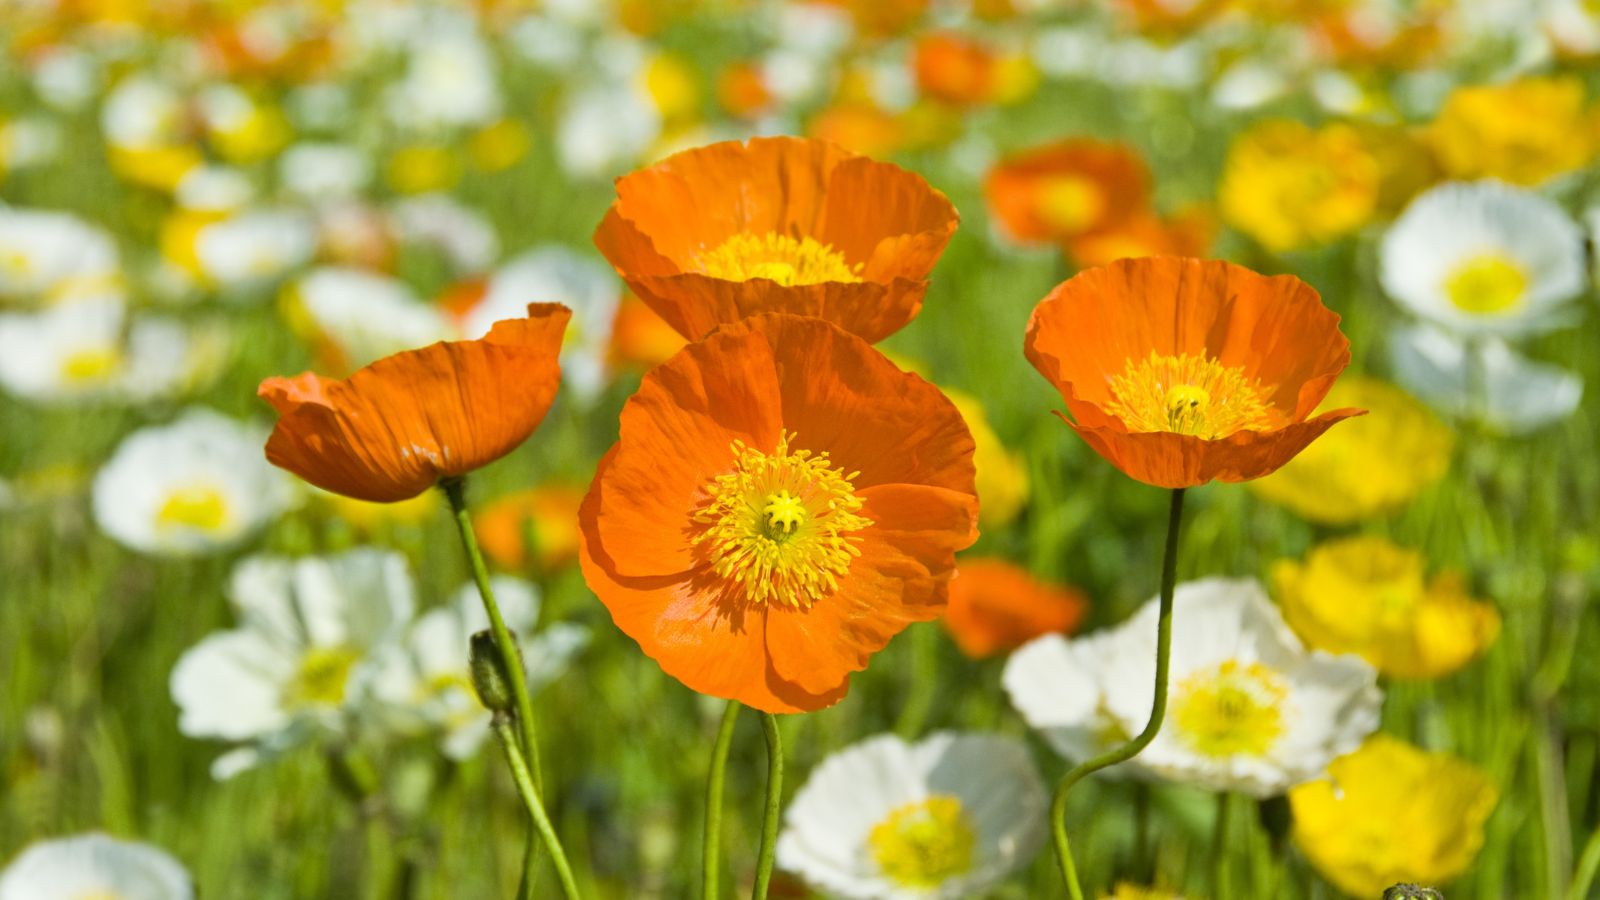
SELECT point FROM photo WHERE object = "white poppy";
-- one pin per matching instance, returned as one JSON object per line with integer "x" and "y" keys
{"x": 254, "y": 247}
{"x": 87, "y": 348}
{"x": 948, "y": 817}
{"x": 449, "y": 82}
{"x": 424, "y": 683}
{"x": 322, "y": 171}
{"x": 194, "y": 486}
{"x": 214, "y": 188}
{"x": 463, "y": 234}
{"x": 1485, "y": 381}
{"x": 603, "y": 131}
{"x": 366, "y": 315}
{"x": 1484, "y": 258}
{"x": 94, "y": 866}
{"x": 47, "y": 256}
{"x": 302, "y": 657}
{"x": 1061, "y": 687}
{"x": 556, "y": 274}
{"x": 143, "y": 112}
{"x": 1249, "y": 709}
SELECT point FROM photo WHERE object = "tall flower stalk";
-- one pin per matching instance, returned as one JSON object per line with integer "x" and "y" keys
{"x": 1158, "y": 707}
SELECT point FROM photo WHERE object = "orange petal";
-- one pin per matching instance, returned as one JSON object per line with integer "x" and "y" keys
{"x": 394, "y": 428}
{"x": 907, "y": 559}
{"x": 1170, "y": 460}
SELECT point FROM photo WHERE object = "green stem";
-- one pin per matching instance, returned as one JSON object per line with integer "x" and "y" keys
{"x": 1158, "y": 707}
{"x": 924, "y": 680}
{"x": 769, "y": 820}
{"x": 711, "y": 853}
{"x": 455, "y": 490}
{"x": 1222, "y": 885}
{"x": 530, "y": 799}
{"x": 1588, "y": 865}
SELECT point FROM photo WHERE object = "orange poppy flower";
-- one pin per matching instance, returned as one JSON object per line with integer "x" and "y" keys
{"x": 640, "y": 338}
{"x": 782, "y": 501}
{"x": 1180, "y": 371}
{"x": 711, "y": 235}
{"x": 394, "y": 428}
{"x": 953, "y": 68}
{"x": 996, "y": 606}
{"x": 1187, "y": 234}
{"x": 547, "y": 515}
{"x": 1060, "y": 191}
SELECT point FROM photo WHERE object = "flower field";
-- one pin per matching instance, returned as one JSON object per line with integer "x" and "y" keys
{"x": 799, "y": 448}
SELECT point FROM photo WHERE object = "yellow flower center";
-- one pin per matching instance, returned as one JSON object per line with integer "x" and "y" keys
{"x": 91, "y": 365}
{"x": 1230, "y": 710}
{"x": 1070, "y": 203}
{"x": 15, "y": 263}
{"x": 779, "y": 526}
{"x": 778, "y": 257}
{"x": 98, "y": 894}
{"x": 1187, "y": 395}
{"x": 924, "y": 844}
{"x": 321, "y": 680}
{"x": 1486, "y": 284}
{"x": 198, "y": 506}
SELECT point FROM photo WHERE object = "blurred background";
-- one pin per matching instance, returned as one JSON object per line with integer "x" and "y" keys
{"x": 199, "y": 195}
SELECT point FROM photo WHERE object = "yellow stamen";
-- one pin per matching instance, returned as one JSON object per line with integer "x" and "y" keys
{"x": 924, "y": 844}
{"x": 1487, "y": 284}
{"x": 1230, "y": 710}
{"x": 779, "y": 526}
{"x": 1070, "y": 203}
{"x": 1187, "y": 395}
{"x": 91, "y": 365}
{"x": 322, "y": 678}
{"x": 778, "y": 257}
{"x": 197, "y": 506}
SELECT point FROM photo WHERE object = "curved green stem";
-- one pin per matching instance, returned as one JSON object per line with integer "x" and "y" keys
{"x": 530, "y": 799}
{"x": 711, "y": 846}
{"x": 769, "y": 820}
{"x": 1158, "y": 707}
{"x": 1588, "y": 864}
{"x": 455, "y": 491}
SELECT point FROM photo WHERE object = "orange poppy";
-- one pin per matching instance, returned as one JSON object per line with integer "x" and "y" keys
{"x": 1180, "y": 371}
{"x": 394, "y": 428}
{"x": 953, "y": 68}
{"x": 782, "y": 500}
{"x": 640, "y": 338}
{"x": 1060, "y": 191}
{"x": 1146, "y": 234}
{"x": 711, "y": 235}
{"x": 996, "y": 606}
{"x": 545, "y": 517}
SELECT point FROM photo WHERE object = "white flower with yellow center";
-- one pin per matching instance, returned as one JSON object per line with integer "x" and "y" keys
{"x": 48, "y": 256}
{"x": 557, "y": 274}
{"x": 94, "y": 867}
{"x": 364, "y": 315}
{"x": 449, "y": 82}
{"x": 252, "y": 247}
{"x": 89, "y": 349}
{"x": 301, "y": 660}
{"x": 423, "y": 682}
{"x": 1484, "y": 381}
{"x": 948, "y": 817}
{"x": 1249, "y": 708}
{"x": 1484, "y": 258}
{"x": 197, "y": 485}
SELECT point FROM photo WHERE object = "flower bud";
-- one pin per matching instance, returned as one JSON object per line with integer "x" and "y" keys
{"x": 490, "y": 677}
